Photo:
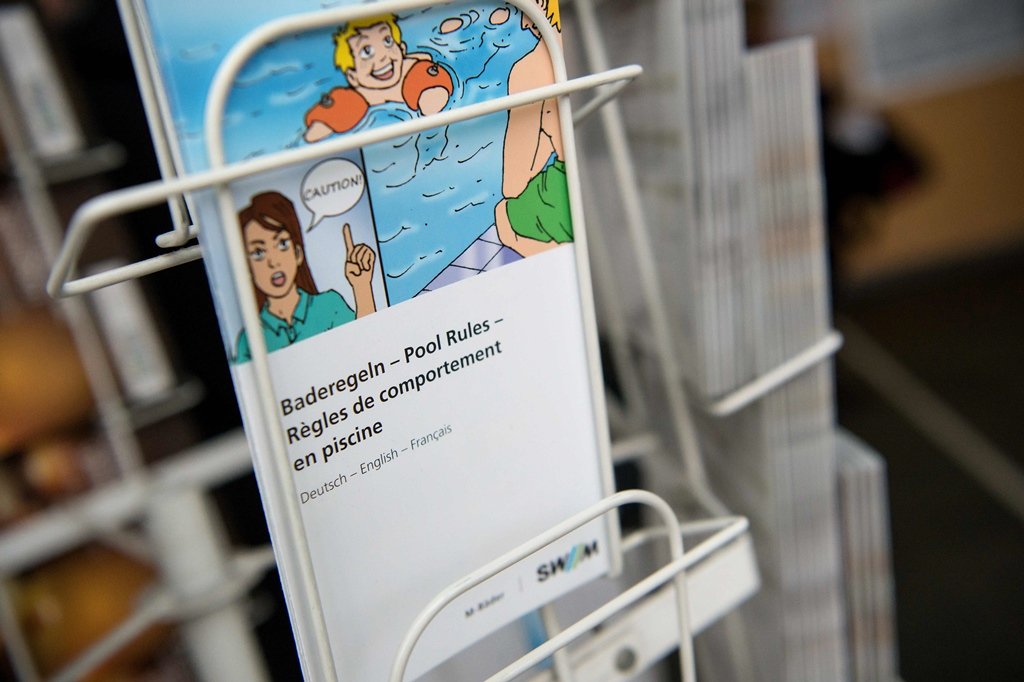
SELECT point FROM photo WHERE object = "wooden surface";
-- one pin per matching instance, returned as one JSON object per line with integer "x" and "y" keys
{"x": 971, "y": 199}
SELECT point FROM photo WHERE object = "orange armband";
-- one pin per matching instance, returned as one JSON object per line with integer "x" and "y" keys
{"x": 422, "y": 76}
{"x": 341, "y": 110}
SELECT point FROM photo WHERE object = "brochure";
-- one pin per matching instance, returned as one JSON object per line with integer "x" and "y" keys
{"x": 424, "y": 302}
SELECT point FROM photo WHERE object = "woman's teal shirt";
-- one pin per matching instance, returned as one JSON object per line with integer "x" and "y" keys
{"x": 314, "y": 314}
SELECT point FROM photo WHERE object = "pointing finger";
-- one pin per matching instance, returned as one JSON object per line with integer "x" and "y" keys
{"x": 346, "y": 231}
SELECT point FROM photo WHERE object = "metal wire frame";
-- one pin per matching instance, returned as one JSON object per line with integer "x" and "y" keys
{"x": 220, "y": 174}
{"x": 673, "y": 571}
{"x": 88, "y": 217}
{"x": 292, "y": 549}
{"x": 776, "y": 377}
{"x": 92, "y": 213}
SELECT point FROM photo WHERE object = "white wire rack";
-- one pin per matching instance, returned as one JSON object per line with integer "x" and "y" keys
{"x": 728, "y": 543}
{"x": 660, "y": 343}
{"x": 658, "y": 346}
{"x": 672, "y": 571}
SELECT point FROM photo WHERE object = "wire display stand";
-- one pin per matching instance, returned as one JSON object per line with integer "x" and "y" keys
{"x": 728, "y": 534}
{"x": 672, "y": 571}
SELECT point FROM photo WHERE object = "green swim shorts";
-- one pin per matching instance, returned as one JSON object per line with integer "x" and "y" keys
{"x": 541, "y": 212}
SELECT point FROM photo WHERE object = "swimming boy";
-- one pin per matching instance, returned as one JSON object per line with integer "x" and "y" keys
{"x": 534, "y": 215}
{"x": 371, "y": 54}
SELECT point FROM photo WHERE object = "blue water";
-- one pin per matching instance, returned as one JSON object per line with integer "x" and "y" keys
{"x": 434, "y": 193}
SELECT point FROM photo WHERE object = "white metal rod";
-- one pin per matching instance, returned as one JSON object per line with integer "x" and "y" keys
{"x": 776, "y": 377}
{"x": 637, "y": 445}
{"x": 717, "y": 524}
{"x": 647, "y": 628}
{"x": 192, "y": 549}
{"x": 712, "y": 525}
{"x": 470, "y": 581}
{"x": 276, "y": 485}
{"x": 91, "y": 213}
{"x": 674, "y": 570}
{"x": 153, "y": 110}
{"x": 730, "y": 529}
{"x": 180, "y": 398}
{"x": 636, "y": 222}
{"x": 607, "y": 95}
{"x": 994, "y": 470}
{"x": 736, "y": 527}
{"x": 135, "y": 270}
{"x": 76, "y": 165}
{"x": 642, "y": 537}
{"x": 584, "y": 625}
{"x": 55, "y": 530}
{"x": 208, "y": 464}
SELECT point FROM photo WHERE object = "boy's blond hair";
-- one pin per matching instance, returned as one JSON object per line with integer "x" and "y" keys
{"x": 343, "y": 57}
{"x": 550, "y": 8}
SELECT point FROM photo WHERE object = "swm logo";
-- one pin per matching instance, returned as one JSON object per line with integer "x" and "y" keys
{"x": 567, "y": 562}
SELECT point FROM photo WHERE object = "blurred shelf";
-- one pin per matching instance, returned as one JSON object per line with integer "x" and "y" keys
{"x": 107, "y": 508}
{"x": 101, "y": 158}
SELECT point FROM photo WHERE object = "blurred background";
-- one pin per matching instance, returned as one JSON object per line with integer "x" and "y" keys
{"x": 922, "y": 105}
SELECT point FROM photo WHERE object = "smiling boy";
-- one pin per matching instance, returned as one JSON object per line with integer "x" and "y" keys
{"x": 371, "y": 54}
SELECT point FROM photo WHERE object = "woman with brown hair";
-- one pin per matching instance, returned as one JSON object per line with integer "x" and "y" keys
{"x": 291, "y": 308}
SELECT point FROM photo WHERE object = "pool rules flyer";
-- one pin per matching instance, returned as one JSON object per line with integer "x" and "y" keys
{"x": 422, "y": 301}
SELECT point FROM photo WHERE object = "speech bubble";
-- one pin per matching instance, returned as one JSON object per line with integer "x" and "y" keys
{"x": 331, "y": 188}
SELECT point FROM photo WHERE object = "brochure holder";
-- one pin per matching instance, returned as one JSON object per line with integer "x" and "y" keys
{"x": 63, "y": 283}
{"x": 673, "y": 571}
{"x": 658, "y": 345}
{"x": 660, "y": 341}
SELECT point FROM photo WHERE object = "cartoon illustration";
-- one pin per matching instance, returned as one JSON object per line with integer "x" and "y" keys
{"x": 534, "y": 215}
{"x": 439, "y": 206}
{"x": 291, "y": 308}
{"x": 371, "y": 54}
